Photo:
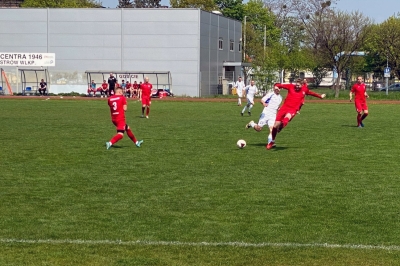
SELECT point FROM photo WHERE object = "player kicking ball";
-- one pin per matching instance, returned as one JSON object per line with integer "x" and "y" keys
{"x": 118, "y": 107}
{"x": 271, "y": 102}
{"x": 294, "y": 100}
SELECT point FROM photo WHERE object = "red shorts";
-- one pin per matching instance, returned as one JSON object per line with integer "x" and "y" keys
{"x": 283, "y": 111}
{"x": 361, "y": 106}
{"x": 146, "y": 100}
{"x": 119, "y": 124}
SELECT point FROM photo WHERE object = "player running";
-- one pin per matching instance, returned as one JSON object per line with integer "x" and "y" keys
{"x": 292, "y": 103}
{"x": 271, "y": 102}
{"x": 118, "y": 107}
{"x": 239, "y": 85}
{"x": 251, "y": 90}
{"x": 146, "y": 96}
{"x": 360, "y": 93}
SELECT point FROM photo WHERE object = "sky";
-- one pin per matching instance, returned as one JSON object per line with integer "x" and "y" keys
{"x": 377, "y": 10}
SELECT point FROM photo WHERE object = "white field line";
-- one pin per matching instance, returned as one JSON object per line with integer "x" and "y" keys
{"x": 212, "y": 244}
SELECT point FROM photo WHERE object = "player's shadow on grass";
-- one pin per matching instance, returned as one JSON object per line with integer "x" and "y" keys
{"x": 117, "y": 147}
{"x": 277, "y": 148}
{"x": 349, "y": 126}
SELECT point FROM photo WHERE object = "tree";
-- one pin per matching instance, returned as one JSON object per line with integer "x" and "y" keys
{"x": 124, "y": 4}
{"x": 61, "y": 3}
{"x": 284, "y": 9}
{"x": 259, "y": 34}
{"x": 231, "y": 8}
{"x": 146, "y": 3}
{"x": 336, "y": 37}
{"x": 207, "y": 5}
{"x": 289, "y": 14}
{"x": 383, "y": 43}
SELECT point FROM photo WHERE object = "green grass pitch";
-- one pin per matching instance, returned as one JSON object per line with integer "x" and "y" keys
{"x": 327, "y": 195}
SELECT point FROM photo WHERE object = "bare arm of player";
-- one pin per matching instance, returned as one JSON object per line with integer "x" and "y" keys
{"x": 366, "y": 94}
{"x": 125, "y": 107}
{"x": 351, "y": 96}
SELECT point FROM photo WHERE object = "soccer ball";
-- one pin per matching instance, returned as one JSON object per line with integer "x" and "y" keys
{"x": 241, "y": 143}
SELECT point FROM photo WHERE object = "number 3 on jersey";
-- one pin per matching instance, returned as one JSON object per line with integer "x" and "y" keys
{"x": 115, "y": 107}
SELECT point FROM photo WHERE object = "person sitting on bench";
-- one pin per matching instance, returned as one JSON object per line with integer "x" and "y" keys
{"x": 43, "y": 87}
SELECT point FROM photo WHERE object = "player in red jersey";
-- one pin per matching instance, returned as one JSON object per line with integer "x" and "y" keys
{"x": 118, "y": 106}
{"x": 104, "y": 89}
{"x": 146, "y": 96}
{"x": 128, "y": 89}
{"x": 360, "y": 95}
{"x": 135, "y": 89}
{"x": 293, "y": 102}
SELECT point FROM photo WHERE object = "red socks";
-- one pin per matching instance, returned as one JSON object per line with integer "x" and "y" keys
{"x": 359, "y": 119}
{"x": 131, "y": 136}
{"x": 148, "y": 111}
{"x": 116, "y": 138}
{"x": 274, "y": 132}
{"x": 364, "y": 116}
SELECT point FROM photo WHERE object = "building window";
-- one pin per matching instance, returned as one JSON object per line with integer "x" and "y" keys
{"x": 240, "y": 47}
{"x": 231, "y": 45}
{"x": 220, "y": 42}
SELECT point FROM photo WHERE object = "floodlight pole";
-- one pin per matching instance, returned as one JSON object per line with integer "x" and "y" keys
{"x": 387, "y": 78}
{"x": 244, "y": 40}
{"x": 265, "y": 38}
{"x": 16, "y": 75}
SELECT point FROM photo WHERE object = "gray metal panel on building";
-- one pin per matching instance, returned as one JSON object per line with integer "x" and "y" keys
{"x": 171, "y": 54}
{"x": 212, "y": 57}
{"x": 85, "y": 14}
{"x": 23, "y": 14}
{"x": 166, "y": 15}
{"x": 157, "y": 41}
{"x": 77, "y": 40}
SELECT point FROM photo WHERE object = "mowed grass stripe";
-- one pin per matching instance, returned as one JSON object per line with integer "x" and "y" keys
{"x": 178, "y": 243}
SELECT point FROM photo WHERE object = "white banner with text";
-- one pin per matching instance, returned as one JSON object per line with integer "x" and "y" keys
{"x": 28, "y": 59}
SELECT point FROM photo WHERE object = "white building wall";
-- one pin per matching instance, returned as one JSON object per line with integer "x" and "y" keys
{"x": 122, "y": 40}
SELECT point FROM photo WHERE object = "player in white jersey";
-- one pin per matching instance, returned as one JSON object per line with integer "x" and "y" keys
{"x": 251, "y": 90}
{"x": 239, "y": 85}
{"x": 271, "y": 102}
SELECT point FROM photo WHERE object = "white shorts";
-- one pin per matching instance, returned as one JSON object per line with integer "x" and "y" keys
{"x": 250, "y": 100}
{"x": 239, "y": 93}
{"x": 266, "y": 119}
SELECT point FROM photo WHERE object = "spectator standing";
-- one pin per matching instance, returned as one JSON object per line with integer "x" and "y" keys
{"x": 112, "y": 81}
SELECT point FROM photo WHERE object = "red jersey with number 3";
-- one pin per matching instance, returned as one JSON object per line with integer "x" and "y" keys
{"x": 146, "y": 89}
{"x": 116, "y": 103}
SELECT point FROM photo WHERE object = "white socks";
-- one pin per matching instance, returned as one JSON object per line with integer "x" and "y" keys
{"x": 269, "y": 138}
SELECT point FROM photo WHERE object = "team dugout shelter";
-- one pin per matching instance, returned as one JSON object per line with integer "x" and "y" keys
{"x": 161, "y": 80}
{"x": 30, "y": 80}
